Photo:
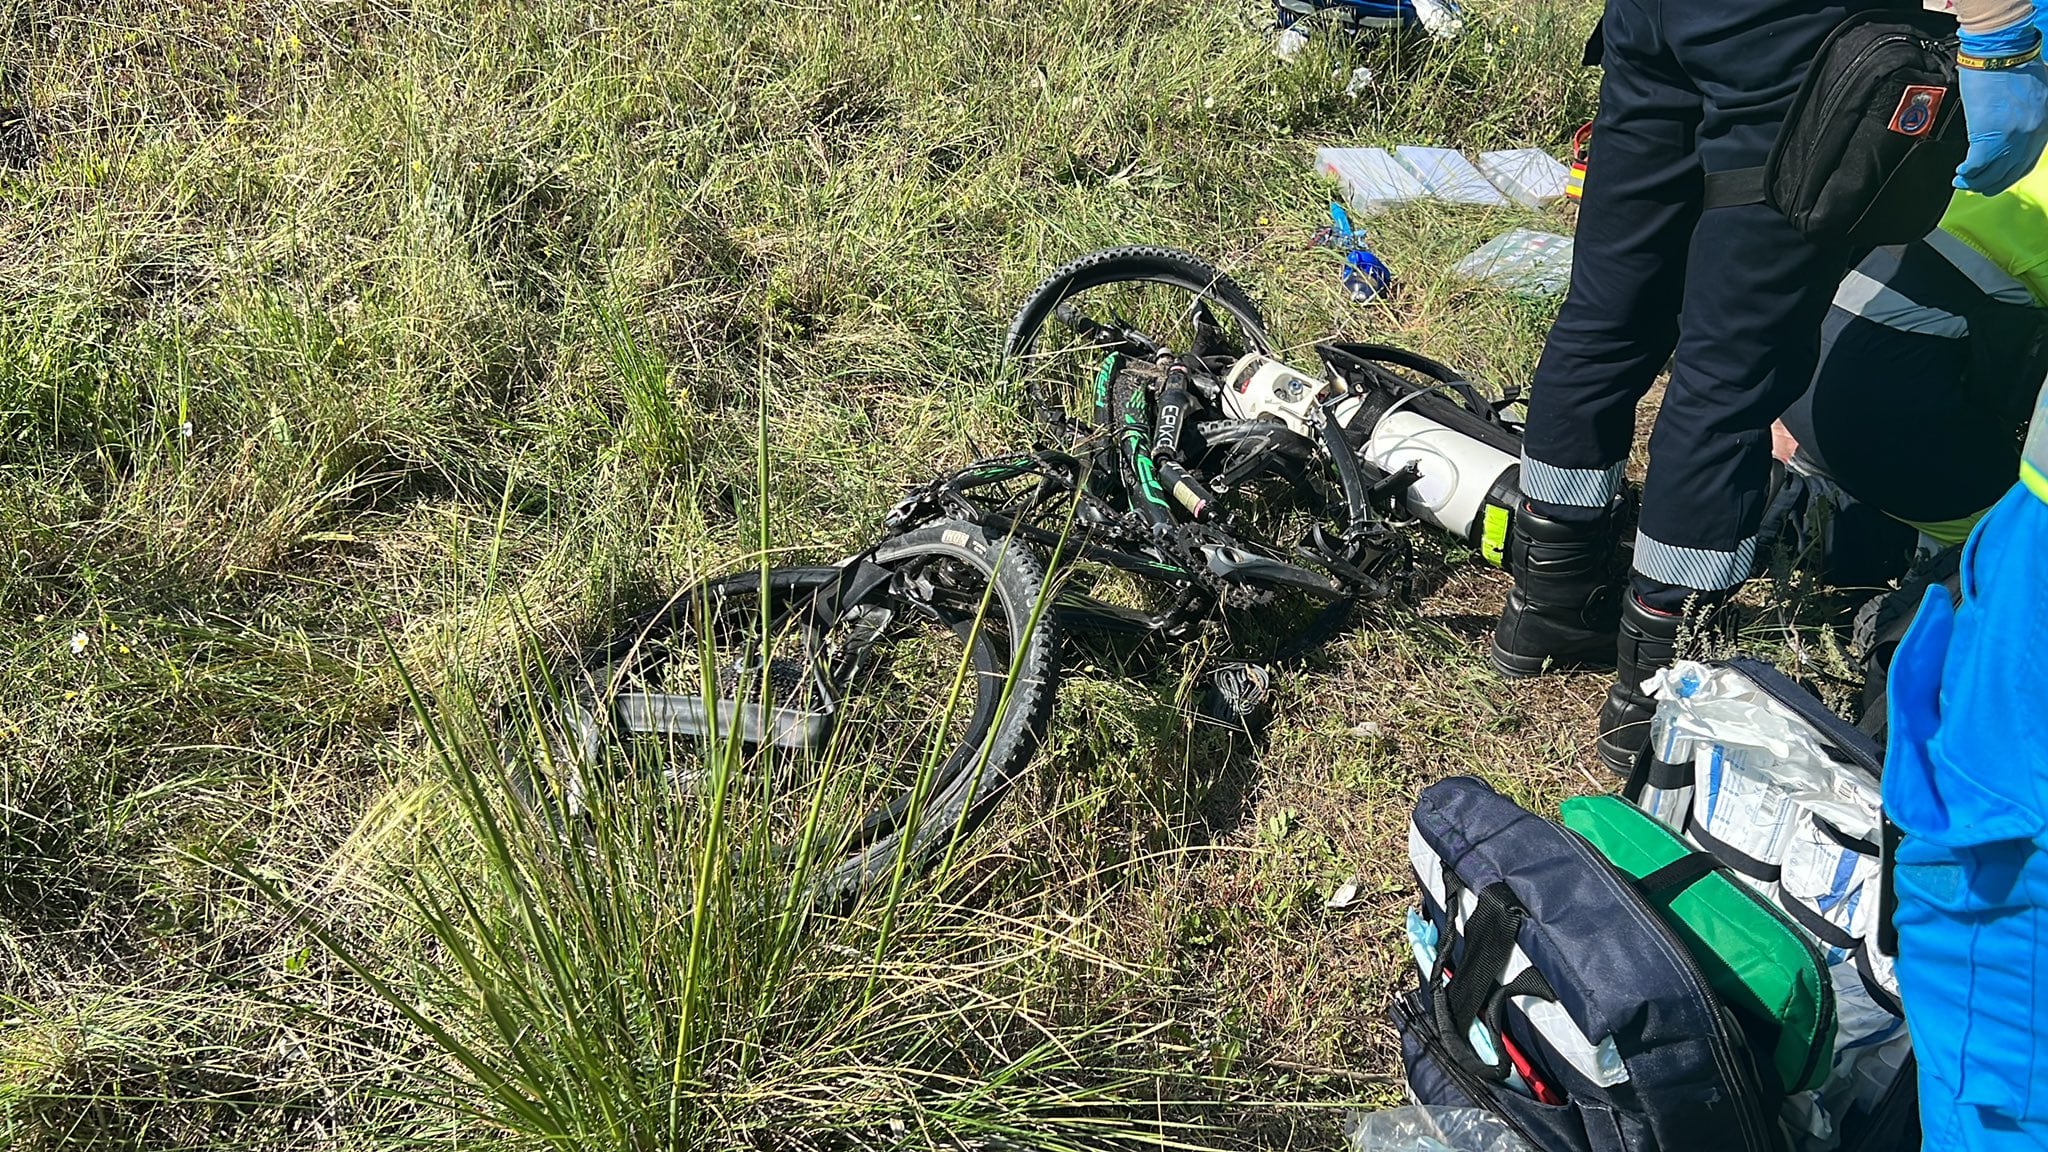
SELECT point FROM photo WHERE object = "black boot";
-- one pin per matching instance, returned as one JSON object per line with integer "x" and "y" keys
{"x": 1561, "y": 613}
{"x": 1648, "y": 641}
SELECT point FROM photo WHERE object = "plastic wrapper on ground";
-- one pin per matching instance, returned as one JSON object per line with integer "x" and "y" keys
{"x": 1531, "y": 177}
{"x": 1370, "y": 178}
{"x": 1449, "y": 176}
{"x": 1532, "y": 263}
{"x": 1416, "y": 1128}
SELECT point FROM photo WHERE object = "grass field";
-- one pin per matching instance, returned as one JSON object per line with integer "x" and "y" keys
{"x": 353, "y": 350}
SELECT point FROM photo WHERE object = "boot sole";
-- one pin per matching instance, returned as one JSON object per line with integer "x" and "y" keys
{"x": 1619, "y": 760}
{"x": 1517, "y": 666}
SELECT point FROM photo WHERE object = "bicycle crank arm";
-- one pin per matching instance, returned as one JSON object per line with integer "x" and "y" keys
{"x": 662, "y": 713}
{"x": 1077, "y": 613}
{"x": 1226, "y": 563}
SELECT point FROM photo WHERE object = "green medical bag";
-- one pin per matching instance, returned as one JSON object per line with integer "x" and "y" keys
{"x": 1756, "y": 960}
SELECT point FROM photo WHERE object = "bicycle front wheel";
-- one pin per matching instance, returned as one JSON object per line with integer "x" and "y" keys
{"x": 873, "y": 710}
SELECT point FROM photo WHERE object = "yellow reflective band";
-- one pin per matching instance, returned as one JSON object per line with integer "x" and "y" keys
{"x": 1493, "y": 534}
{"x": 1945, "y": 532}
{"x": 2035, "y": 482}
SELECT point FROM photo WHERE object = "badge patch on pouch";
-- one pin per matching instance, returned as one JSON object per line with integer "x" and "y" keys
{"x": 1917, "y": 109}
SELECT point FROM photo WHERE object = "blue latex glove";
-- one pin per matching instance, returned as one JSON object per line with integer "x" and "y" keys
{"x": 2007, "y": 108}
{"x": 2008, "y": 115}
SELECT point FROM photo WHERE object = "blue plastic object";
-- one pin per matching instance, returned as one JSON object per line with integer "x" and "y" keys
{"x": 1355, "y": 13}
{"x": 1364, "y": 274}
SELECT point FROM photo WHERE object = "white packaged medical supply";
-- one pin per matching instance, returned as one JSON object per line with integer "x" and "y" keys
{"x": 1532, "y": 263}
{"x": 1370, "y": 178}
{"x": 1449, "y": 176}
{"x": 1530, "y": 177}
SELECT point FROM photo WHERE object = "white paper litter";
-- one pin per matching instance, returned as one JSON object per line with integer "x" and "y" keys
{"x": 1531, "y": 177}
{"x": 1370, "y": 178}
{"x": 1536, "y": 263}
{"x": 1448, "y": 175}
{"x": 1441, "y": 18}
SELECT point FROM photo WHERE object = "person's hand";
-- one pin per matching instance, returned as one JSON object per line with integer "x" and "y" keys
{"x": 2006, "y": 105}
{"x": 1782, "y": 443}
{"x": 2008, "y": 115}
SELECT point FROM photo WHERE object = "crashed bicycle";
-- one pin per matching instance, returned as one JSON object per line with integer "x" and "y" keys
{"x": 1188, "y": 486}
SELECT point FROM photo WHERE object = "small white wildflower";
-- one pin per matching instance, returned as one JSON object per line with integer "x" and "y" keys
{"x": 185, "y": 430}
{"x": 80, "y": 642}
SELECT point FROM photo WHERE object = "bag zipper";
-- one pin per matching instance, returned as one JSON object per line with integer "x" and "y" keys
{"x": 1743, "y": 1090}
{"x": 1426, "y": 1034}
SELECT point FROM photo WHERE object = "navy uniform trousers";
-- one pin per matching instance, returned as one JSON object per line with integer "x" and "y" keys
{"x": 1689, "y": 87}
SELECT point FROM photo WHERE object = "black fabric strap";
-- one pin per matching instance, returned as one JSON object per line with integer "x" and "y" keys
{"x": 1489, "y": 941}
{"x": 1854, "y": 844}
{"x": 1666, "y": 776}
{"x": 1678, "y": 875}
{"x": 1878, "y": 992}
{"x": 1447, "y": 932}
{"x": 1887, "y": 895}
{"x": 1734, "y": 857}
{"x": 1474, "y": 990}
{"x": 1529, "y": 982}
{"x": 1825, "y": 930}
{"x": 1638, "y": 776}
{"x": 1733, "y": 187}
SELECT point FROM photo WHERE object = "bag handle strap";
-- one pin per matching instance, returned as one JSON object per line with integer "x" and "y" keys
{"x": 1477, "y": 991}
{"x": 1678, "y": 875}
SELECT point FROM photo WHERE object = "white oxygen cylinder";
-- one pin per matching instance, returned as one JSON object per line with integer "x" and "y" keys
{"x": 1458, "y": 472}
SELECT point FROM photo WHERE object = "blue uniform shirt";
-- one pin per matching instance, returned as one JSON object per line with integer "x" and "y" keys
{"x": 1966, "y": 781}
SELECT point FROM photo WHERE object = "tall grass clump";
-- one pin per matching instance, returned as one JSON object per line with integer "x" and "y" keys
{"x": 628, "y": 960}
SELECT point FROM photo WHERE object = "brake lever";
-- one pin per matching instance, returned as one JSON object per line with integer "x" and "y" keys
{"x": 1137, "y": 341}
{"x": 1116, "y": 332}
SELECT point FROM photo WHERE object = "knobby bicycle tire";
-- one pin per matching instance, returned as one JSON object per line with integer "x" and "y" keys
{"x": 977, "y": 774}
{"x": 1137, "y": 263}
{"x": 1006, "y": 717}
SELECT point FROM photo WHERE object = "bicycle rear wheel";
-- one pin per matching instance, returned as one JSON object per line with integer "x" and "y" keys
{"x": 873, "y": 709}
{"x": 1175, "y": 299}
